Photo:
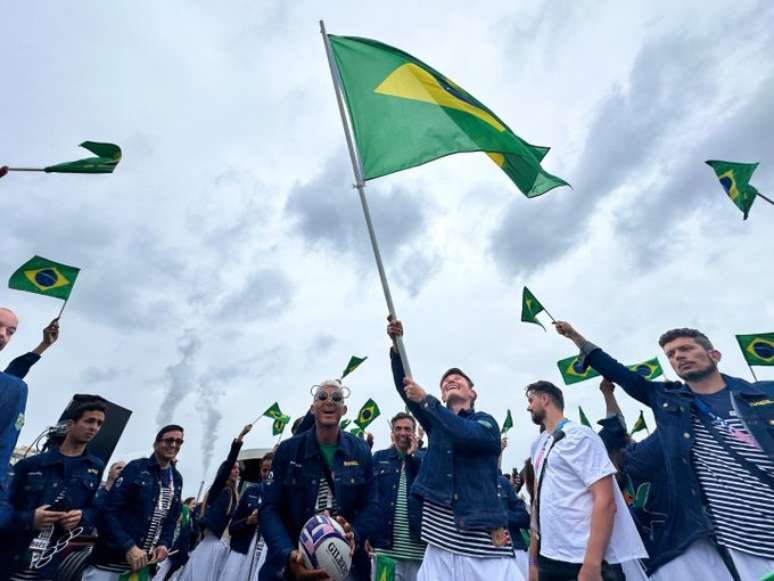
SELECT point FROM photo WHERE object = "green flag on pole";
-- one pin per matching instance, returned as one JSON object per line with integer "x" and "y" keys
{"x": 508, "y": 423}
{"x": 650, "y": 369}
{"x": 45, "y": 277}
{"x": 354, "y": 363}
{"x": 405, "y": 114}
{"x": 344, "y": 423}
{"x": 275, "y": 413}
{"x": 385, "y": 568}
{"x": 367, "y": 414}
{"x": 278, "y": 425}
{"x": 572, "y": 372}
{"x": 758, "y": 349}
{"x": 108, "y": 156}
{"x": 141, "y": 575}
{"x": 530, "y": 307}
{"x": 583, "y": 419}
{"x": 640, "y": 424}
{"x": 735, "y": 179}
{"x": 358, "y": 432}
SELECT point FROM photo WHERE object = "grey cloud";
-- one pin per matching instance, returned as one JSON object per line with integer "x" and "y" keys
{"x": 416, "y": 269}
{"x": 181, "y": 376}
{"x": 266, "y": 293}
{"x": 321, "y": 345}
{"x": 92, "y": 375}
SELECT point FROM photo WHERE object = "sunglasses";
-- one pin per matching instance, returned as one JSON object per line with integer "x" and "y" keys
{"x": 336, "y": 396}
{"x": 172, "y": 441}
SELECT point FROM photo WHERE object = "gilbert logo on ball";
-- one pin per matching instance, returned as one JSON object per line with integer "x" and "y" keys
{"x": 323, "y": 545}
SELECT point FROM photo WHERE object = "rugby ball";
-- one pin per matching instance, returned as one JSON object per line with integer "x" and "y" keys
{"x": 324, "y": 545}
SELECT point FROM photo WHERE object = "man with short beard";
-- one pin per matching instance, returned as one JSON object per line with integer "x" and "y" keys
{"x": 400, "y": 514}
{"x": 717, "y": 436}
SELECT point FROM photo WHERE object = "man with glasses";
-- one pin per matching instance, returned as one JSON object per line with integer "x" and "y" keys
{"x": 138, "y": 519}
{"x": 320, "y": 470}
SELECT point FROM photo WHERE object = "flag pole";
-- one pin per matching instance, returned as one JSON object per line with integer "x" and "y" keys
{"x": 199, "y": 494}
{"x": 360, "y": 185}
{"x": 26, "y": 169}
{"x": 64, "y": 304}
{"x": 769, "y": 200}
{"x": 751, "y": 369}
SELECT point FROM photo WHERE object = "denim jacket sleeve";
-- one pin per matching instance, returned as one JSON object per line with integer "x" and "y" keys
{"x": 239, "y": 518}
{"x": 398, "y": 374}
{"x": 116, "y": 500}
{"x": 477, "y": 433}
{"x": 18, "y": 518}
{"x": 20, "y": 366}
{"x": 366, "y": 521}
{"x": 518, "y": 517}
{"x": 168, "y": 531}
{"x": 633, "y": 383}
{"x": 274, "y": 497}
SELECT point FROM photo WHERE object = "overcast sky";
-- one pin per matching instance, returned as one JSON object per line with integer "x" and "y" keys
{"x": 225, "y": 264}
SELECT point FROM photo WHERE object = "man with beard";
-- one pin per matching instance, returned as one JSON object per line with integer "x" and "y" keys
{"x": 717, "y": 436}
{"x": 463, "y": 520}
{"x": 400, "y": 514}
{"x": 52, "y": 498}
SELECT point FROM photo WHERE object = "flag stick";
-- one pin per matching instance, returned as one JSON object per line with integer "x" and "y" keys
{"x": 545, "y": 310}
{"x": 751, "y": 369}
{"x": 26, "y": 169}
{"x": 769, "y": 200}
{"x": 198, "y": 494}
{"x": 64, "y": 304}
{"x": 360, "y": 185}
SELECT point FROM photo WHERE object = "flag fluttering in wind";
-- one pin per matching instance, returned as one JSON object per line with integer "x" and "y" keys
{"x": 275, "y": 413}
{"x": 405, "y": 113}
{"x": 508, "y": 423}
{"x": 735, "y": 179}
{"x": 367, "y": 414}
{"x": 583, "y": 419}
{"x": 758, "y": 349}
{"x": 45, "y": 277}
{"x": 108, "y": 156}
{"x": 650, "y": 369}
{"x": 358, "y": 432}
{"x": 278, "y": 425}
{"x": 530, "y": 307}
{"x": 640, "y": 424}
{"x": 385, "y": 568}
{"x": 354, "y": 363}
{"x": 572, "y": 372}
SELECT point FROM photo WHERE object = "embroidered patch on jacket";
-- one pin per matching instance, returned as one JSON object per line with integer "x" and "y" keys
{"x": 19, "y": 422}
{"x": 761, "y": 402}
{"x": 351, "y": 463}
{"x": 485, "y": 423}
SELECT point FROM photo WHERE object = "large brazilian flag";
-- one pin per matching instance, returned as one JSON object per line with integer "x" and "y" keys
{"x": 758, "y": 349}
{"x": 405, "y": 113}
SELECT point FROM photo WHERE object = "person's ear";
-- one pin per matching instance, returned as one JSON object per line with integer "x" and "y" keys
{"x": 715, "y": 355}
{"x": 344, "y": 410}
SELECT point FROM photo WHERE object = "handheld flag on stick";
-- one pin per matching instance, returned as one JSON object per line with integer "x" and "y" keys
{"x": 344, "y": 423}
{"x": 572, "y": 372}
{"x": 650, "y": 369}
{"x": 530, "y": 307}
{"x": 639, "y": 425}
{"x": 357, "y": 432}
{"x": 367, "y": 414}
{"x": 735, "y": 179}
{"x": 278, "y": 426}
{"x": 583, "y": 419}
{"x": 45, "y": 277}
{"x": 385, "y": 568}
{"x": 141, "y": 575}
{"x": 758, "y": 349}
{"x": 108, "y": 156}
{"x": 508, "y": 423}
{"x": 354, "y": 363}
{"x": 275, "y": 413}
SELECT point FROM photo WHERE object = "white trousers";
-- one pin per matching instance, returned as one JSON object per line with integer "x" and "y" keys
{"x": 443, "y": 565}
{"x": 237, "y": 566}
{"x": 522, "y": 562}
{"x": 634, "y": 571}
{"x": 205, "y": 561}
{"x": 750, "y": 567}
{"x": 93, "y": 574}
{"x": 702, "y": 561}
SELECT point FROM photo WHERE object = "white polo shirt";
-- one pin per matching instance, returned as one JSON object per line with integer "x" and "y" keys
{"x": 576, "y": 462}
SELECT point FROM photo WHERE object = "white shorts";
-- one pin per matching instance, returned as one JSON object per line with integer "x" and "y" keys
{"x": 439, "y": 564}
{"x": 205, "y": 561}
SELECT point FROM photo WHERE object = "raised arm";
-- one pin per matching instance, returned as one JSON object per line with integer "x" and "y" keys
{"x": 225, "y": 468}
{"x": 395, "y": 329}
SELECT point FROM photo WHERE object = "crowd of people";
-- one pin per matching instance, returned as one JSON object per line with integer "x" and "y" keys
{"x": 692, "y": 500}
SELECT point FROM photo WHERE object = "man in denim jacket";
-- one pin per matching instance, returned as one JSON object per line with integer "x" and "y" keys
{"x": 717, "y": 435}
{"x": 323, "y": 469}
{"x": 463, "y": 519}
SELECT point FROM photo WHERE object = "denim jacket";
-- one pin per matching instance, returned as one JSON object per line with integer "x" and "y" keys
{"x": 220, "y": 505}
{"x": 460, "y": 467}
{"x": 672, "y": 404}
{"x": 128, "y": 508}
{"x": 387, "y": 465}
{"x": 290, "y": 497}
{"x": 516, "y": 509}
{"x": 40, "y": 480}
{"x": 241, "y": 532}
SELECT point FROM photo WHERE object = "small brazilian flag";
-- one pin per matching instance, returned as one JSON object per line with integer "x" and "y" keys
{"x": 572, "y": 372}
{"x": 650, "y": 369}
{"x": 758, "y": 349}
{"x": 367, "y": 414}
{"x": 405, "y": 114}
{"x": 358, "y": 433}
{"x": 640, "y": 424}
{"x": 354, "y": 363}
{"x": 583, "y": 419}
{"x": 530, "y": 307}
{"x": 141, "y": 575}
{"x": 274, "y": 413}
{"x": 45, "y": 277}
{"x": 344, "y": 423}
{"x": 108, "y": 156}
{"x": 735, "y": 179}
{"x": 385, "y": 568}
{"x": 278, "y": 426}
{"x": 508, "y": 423}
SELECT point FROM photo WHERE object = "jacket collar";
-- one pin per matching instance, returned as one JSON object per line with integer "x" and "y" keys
{"x": 735, "y": 384}
{"x": 53, "y": 456}
{"x": 312, "y": 446}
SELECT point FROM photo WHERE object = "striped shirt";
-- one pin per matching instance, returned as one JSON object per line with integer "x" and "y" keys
{"x": 440, "y": 530}
{"x": 403, "y": 546}
{"x": 325, "y": 499}
{"x": 740, "y": 502}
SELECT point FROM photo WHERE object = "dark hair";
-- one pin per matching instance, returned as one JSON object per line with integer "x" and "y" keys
{"x": 91, "y": 406}
{"x": 267, "y": 456}
{"x": 189, "y": 499}
{"x": 166, "y": 429}
{"x": 694, "y": 334}
{"x": 548, "y": 389}
{"x": 403, "y": 416}
{"x": 296, "y": 425}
